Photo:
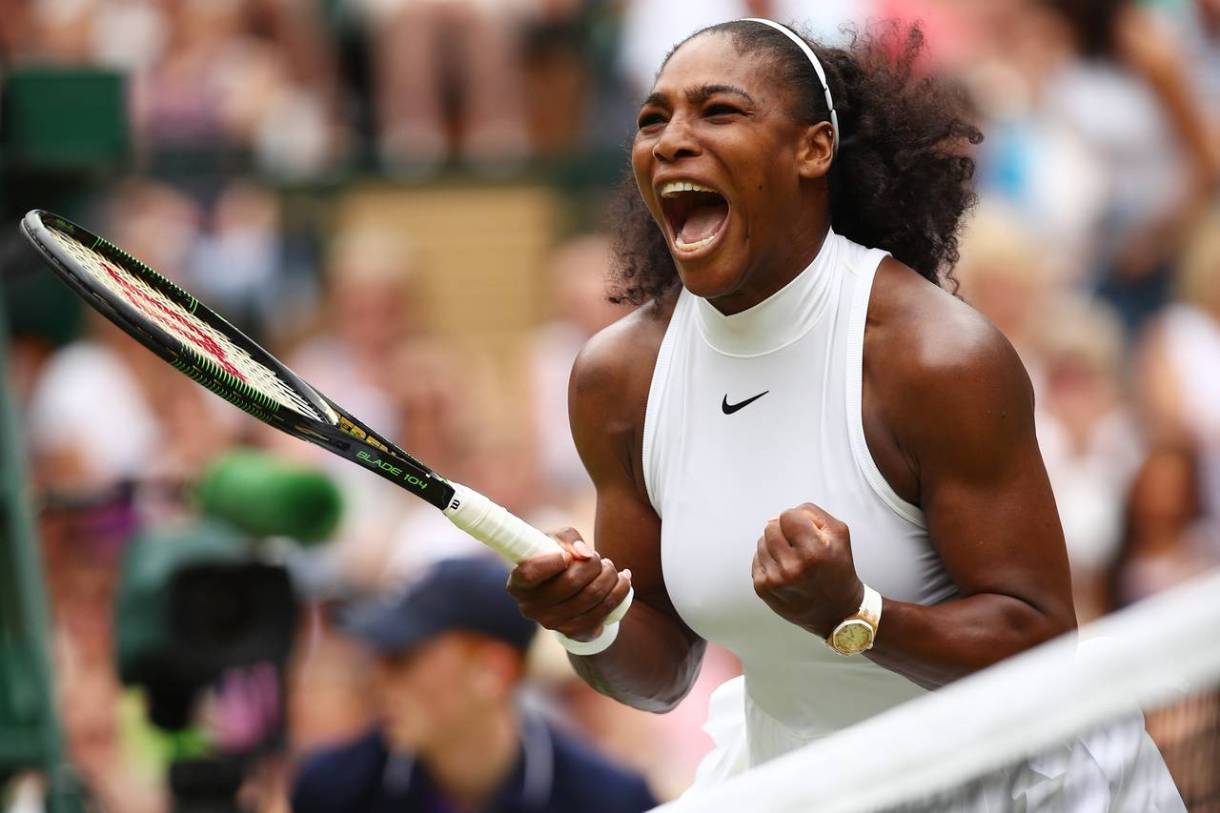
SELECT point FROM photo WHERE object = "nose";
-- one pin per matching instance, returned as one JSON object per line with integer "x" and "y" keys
{"x": 676, "y": 141}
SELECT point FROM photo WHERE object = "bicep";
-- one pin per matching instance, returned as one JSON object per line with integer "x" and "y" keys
{"x": 986, "y": 496}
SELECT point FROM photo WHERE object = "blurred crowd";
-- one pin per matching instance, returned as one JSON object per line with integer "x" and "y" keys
{"x": 1095, "y": 248}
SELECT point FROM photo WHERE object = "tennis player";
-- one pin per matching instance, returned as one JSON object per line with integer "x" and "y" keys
{"x": 805, "y": 449}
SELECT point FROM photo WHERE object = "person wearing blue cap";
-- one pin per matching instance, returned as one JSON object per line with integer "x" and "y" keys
{"x": 450, "y": 654}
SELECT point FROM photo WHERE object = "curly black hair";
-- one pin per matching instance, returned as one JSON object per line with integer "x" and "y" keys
{"x": 900, "y": 181}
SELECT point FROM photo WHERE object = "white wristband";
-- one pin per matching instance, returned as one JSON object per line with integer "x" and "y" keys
{"x": 871, "y": 605}
{"x": 599, "y": 644}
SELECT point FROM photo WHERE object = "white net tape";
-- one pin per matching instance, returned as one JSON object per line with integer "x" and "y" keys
{"x": 229, "y": 361}
{"x": 951, "y": 748}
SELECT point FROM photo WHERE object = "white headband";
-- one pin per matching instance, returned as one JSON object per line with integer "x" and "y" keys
{"x": 817, "y": 67}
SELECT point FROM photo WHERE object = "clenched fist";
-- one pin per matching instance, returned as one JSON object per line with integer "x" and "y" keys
{"x": 570, "y": 591}
{"x": 803, "y": 569}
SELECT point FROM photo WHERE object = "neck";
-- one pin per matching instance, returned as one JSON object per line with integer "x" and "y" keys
{"x": 472, "y": 765}
{"x": 779, "y": 319}
{"x": 770, "y": 273}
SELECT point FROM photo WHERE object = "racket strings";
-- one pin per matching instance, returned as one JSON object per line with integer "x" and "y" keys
{"x": 207, "y": 343}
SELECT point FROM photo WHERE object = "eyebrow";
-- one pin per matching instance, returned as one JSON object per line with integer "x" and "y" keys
{"x": 699, "y": 95}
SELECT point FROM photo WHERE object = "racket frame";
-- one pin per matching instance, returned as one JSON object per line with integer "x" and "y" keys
{"x": 347, "y": 436}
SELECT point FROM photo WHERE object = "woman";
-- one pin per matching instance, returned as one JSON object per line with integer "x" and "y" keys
{"x": 1178, "y": 362}
{"x": 1161, "y": 165}
{"x": 780, "y": 445}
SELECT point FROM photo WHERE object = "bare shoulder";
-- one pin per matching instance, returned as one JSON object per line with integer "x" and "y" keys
{"x": 608, "y": 389}
{"x": 942, "y": 369}
{"x": 616, "y": 363}
{"x": 923, "y": 333}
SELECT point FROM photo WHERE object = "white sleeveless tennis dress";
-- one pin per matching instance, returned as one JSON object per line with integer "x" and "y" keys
{"x": 719, "y": 465}
{"x": 749, "y": 415}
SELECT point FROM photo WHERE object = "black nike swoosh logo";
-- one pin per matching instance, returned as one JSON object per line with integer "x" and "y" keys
{"x": 729, "y": 409}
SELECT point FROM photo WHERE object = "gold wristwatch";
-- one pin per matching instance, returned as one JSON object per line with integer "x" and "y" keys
{"x": 855, "y": 634}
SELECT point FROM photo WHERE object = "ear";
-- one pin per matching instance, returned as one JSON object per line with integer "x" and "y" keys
{"x": 814, "y": 154}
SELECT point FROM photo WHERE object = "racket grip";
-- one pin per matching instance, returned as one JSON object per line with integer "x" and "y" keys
{"x": 494, "y": 526}
{"x": 517, "y": 540}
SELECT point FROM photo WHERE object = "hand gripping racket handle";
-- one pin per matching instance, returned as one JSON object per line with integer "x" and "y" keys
{"x": 517, "y": 540}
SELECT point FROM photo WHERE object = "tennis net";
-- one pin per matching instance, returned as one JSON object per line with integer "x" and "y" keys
{"x": 1059, "y": 728}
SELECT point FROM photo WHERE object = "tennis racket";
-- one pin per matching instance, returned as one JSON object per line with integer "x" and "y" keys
{"x": 201, "y": 344}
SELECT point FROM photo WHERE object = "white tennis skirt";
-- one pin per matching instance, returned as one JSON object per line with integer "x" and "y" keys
{"x": 1112, "y": 769}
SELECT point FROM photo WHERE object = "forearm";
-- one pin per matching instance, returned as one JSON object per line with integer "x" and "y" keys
{"x": 937, "y": 644}
{"x": 650, "y": 666}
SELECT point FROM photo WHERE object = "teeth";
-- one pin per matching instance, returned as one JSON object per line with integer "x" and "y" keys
{"x": 695, "y": 245}
{"x": 675, "y": 187}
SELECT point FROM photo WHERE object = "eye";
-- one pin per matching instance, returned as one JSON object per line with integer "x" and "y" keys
{"x": 650, "y": 118}
{"x": 720, "y": 110}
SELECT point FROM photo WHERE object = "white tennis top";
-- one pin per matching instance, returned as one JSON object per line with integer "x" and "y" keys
{"x": 749, "y": 415}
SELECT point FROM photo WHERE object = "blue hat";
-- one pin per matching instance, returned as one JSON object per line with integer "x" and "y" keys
{"x": 455, "y": 595}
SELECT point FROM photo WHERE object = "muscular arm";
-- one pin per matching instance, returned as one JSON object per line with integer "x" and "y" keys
{"x": 656, "y": 657}
{"x": 959, "y": 407}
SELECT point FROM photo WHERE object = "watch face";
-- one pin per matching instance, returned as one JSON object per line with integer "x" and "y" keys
{"x": 853, "y": 636}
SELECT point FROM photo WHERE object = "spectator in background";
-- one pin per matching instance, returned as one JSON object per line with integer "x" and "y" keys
{"x": 92, "y": 719}
{"x": 254, "y": 75}
{"x": 499, "y": 463}
{"x": 1006, "y": 276}
{"x": 1196, "y": 32}
{"x": 428, "y": 381}
{"x": 14, "y": 32}
{"x": 371, "y": 296}
{"x": 1035, "y": 163}
{"x": 581, "y": 307}
{"x": 1090, "y": 442}
{"x": 1167, "y": 539}
{"x": 426, "y": 50}
{"x": 236, "y": 265}
{"x": 1125, "y": 91}
{"x": 82, "y": 534}
{"x": 1178, "y": 365}
{"x": 368, "y": 324}
{"x": 450, "y": 656}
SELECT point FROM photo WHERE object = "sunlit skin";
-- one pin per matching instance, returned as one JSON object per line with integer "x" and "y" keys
{"x": 707, "y": 119}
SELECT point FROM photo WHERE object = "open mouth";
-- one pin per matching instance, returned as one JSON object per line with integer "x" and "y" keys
{"x": 696, "y": 214}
